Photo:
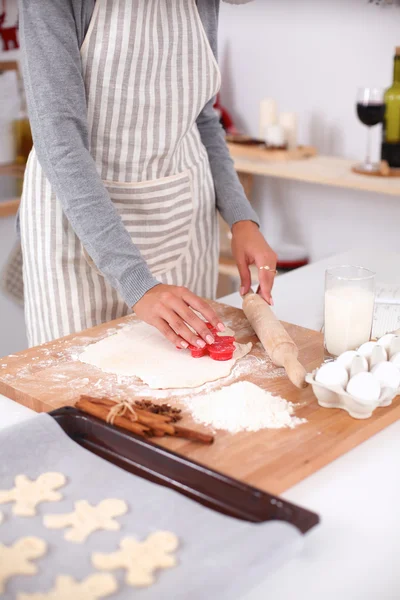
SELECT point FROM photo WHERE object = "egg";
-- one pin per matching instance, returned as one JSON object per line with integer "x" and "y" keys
{"x": 394, "y": 346}
{"x": 378, "y": 355}
{"x": 365, "y": 387}
{"x": 387, "y": 374}
{"x": 359, "y": 365}
{"x": 396, "y": 359}
{"x": 346, "y": 358}
{"x": 366, "y": 349}
{"x": 332, "y": 374}
{"x": 386, "y": 340}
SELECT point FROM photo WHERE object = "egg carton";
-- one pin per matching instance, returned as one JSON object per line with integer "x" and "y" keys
{"x": 335, "y": 396}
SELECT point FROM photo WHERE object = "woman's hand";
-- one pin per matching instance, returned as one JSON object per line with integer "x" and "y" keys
{"x": 170, "y": 308}
{"x": 249, "y": 247}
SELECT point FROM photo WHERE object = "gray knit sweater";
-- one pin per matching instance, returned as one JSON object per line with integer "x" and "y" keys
{"x": 52, "y": 32}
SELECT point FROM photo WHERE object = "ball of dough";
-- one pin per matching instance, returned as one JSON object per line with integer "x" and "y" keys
{"x": 387, "y": 374}
{"x": 332, "y": 374}
{"x": 365, "y": 387}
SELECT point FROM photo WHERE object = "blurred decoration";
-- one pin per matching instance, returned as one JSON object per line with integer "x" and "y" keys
{"x": 224, "y": 117}
{"x": 9, "y": 25}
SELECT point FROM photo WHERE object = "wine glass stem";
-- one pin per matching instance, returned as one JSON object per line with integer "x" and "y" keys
{"x": 369, "y": 139}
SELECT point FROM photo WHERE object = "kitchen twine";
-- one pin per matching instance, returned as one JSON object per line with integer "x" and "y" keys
{"x": 119, "y": 410}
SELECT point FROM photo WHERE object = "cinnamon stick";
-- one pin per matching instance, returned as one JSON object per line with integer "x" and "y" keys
{"x": 138, "y": 411}
{"x": 98, "y": 411}
{"x": 147, "y": 423}
{"x": 191, "y": 434}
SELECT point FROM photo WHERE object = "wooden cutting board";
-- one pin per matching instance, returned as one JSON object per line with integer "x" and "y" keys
{"x": 50, "y": 376}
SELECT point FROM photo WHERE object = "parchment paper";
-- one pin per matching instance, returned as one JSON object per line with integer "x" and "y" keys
{"x": 219, "y": 557}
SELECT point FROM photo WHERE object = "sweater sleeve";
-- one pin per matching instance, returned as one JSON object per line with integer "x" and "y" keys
{"x": 50, "y": 32}
{"x": 231, "y": 199}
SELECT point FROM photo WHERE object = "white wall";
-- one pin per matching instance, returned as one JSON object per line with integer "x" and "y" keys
{"x": 311, "y": 55}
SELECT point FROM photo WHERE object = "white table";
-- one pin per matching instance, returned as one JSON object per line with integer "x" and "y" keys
{"x": 354, "y": 553}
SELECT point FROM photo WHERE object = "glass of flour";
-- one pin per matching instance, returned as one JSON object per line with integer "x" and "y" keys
{"x": 349, "y": 308}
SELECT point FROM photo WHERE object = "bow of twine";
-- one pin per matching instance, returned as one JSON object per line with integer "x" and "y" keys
{"x": 120, "y": 410}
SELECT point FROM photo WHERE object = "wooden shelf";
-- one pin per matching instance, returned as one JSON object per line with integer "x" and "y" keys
{"x": 12, "y": 169}
{"x": 325, "y": 170}
{"x": 9, "y": 208}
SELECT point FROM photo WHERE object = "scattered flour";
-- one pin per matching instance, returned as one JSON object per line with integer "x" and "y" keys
{"x": 242, "y": 406}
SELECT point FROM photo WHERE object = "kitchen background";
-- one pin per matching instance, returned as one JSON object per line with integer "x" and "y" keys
{"x": 310, "y": 56}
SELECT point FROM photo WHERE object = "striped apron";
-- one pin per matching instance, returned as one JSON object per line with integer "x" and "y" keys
{"x": 149, "y": 71}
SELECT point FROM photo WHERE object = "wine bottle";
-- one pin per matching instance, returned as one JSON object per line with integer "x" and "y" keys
{"x": 391, "y": 123}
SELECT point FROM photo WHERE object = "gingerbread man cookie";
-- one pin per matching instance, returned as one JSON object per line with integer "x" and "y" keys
{"x": 16, "y": 559}
{"x": 140, "y": 559}
{"x": 67, "y": 588}
{"x": 86, "y": 519}
{"x": 28, "y": 494}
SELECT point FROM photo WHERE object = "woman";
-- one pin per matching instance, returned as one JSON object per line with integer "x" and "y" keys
{"x": 128, "y": 169}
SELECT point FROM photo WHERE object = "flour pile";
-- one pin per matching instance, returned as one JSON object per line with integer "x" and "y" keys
{"x": 242, "y": 406}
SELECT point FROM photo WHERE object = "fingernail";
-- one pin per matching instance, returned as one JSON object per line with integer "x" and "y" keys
{"x": 210, "y": 339}
{"x": 221, "y": 327}
{"x": 241, "y": 291}
{"x": 201, "y": 344}
{"x": 184, "y": 345}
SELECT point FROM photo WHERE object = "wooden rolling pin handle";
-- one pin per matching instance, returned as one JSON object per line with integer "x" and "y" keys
{"x": 276, "y": 341}
{"x": 295, "y": 371}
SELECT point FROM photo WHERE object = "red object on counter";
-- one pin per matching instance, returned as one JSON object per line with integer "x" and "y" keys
{"x": 222, "y": 349}
{"x": 219, "y": 352}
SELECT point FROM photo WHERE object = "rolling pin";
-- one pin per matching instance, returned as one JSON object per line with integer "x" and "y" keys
{"x": 276, "y": 341}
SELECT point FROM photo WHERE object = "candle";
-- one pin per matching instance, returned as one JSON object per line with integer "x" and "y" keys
{"x": 268, "y": 114}
{"x": 274, "y": 135}
{"x": 288, "y": 121}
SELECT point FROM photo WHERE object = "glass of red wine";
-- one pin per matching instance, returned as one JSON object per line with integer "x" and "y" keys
{"x": 370, "y": 111}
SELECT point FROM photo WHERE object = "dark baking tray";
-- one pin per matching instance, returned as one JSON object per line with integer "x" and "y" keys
{"x": 212, "y": 489}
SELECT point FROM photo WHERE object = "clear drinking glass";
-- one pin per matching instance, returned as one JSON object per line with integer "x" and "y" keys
{"x": 370, "y": 111}
{"x": 349, "y": 308}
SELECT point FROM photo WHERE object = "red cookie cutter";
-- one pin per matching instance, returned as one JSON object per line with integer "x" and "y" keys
{"x": 222, "y": 349}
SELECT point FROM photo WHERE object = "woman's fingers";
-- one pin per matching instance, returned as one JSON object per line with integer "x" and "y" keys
{"x": 172, "y": 315}
{"x": 245, "y": 276}
{"x": 266, "y": 281}
{"x": 171, "y": 310}
{"x": 169, "y": 333}
{"x": 203, "y": 308}
{"x": 188, "y": 316}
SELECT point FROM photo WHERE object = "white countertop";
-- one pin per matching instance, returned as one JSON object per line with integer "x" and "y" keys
{"x": 353, "y": 554}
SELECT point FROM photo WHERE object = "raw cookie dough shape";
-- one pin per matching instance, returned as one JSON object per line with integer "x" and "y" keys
{"x": 93, "y": 587}
{"x": 87, "y": 518}
{"x": 140, "y": 559}
{"x": 16, "y": 559}
{"x": 28, "y": 494}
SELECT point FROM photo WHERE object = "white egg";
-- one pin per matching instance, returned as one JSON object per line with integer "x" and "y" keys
{"x": 378, "y": 355}
{"x": 366, "y": 349}
{"x": 332, "y": 374}
{"x": 396, "y": 359}
{"x": 386, "y": 340}
{"x": 358, "y": 365}
{"x": 387, "y": 374}
{"x": 365, "y": 387}
{"x": 346, "y": 358}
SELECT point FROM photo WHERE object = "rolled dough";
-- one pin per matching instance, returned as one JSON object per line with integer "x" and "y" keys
{"x": 139, "y": 350}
